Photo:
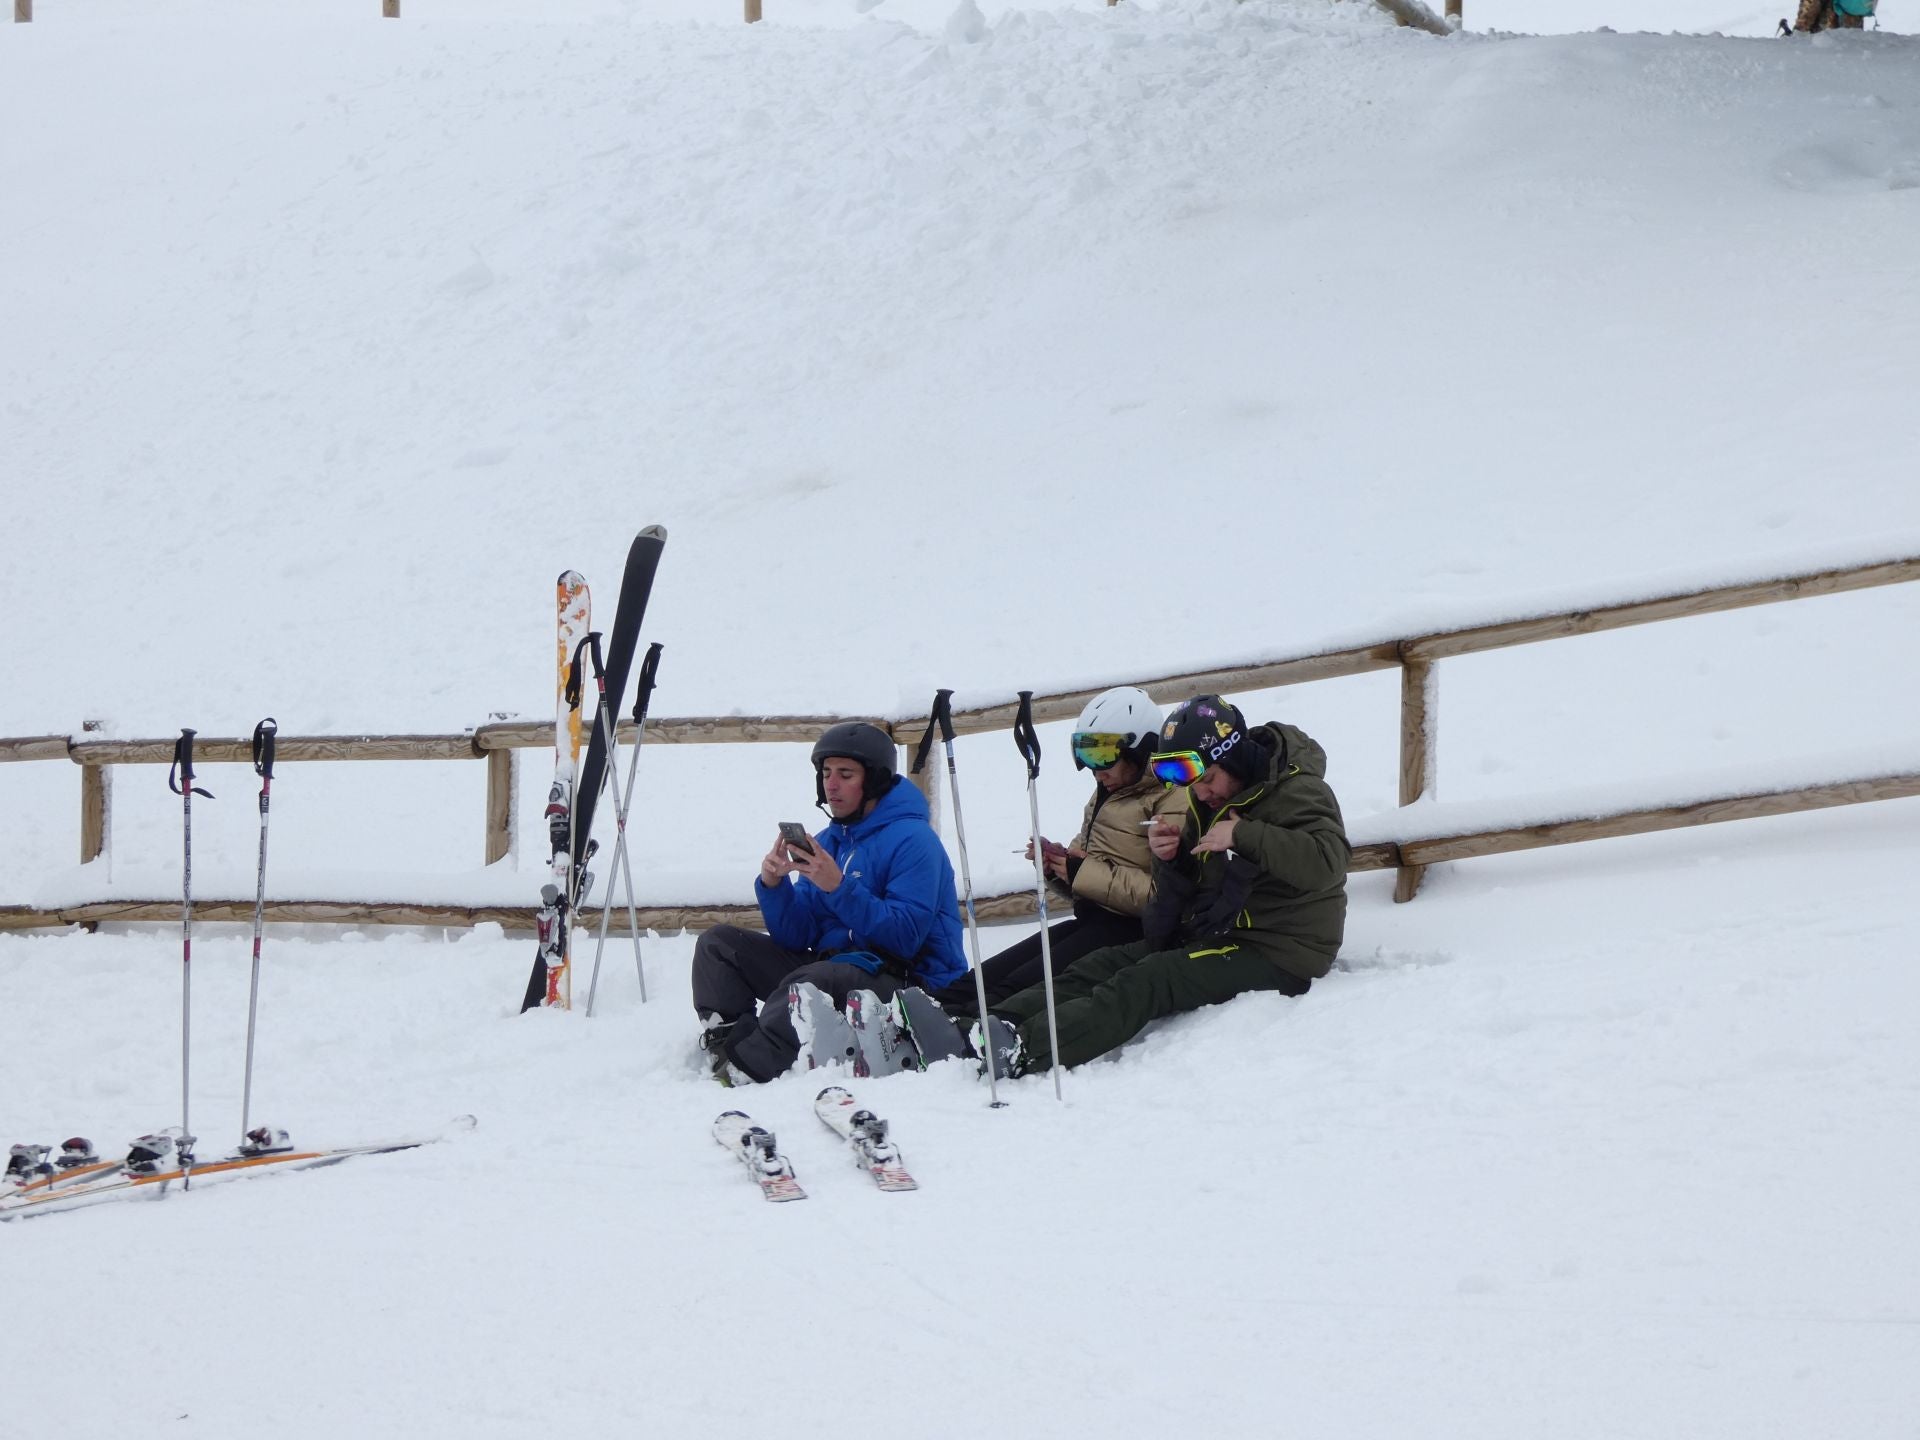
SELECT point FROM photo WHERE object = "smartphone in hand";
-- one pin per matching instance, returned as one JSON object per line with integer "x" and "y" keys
{"x": 795, "y": 834}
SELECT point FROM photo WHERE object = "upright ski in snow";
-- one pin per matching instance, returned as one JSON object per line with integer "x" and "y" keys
{"x": 757, "y": 1150}
{"x": 548, "y": 984}
{"x": 569, "y": 876}
{"x": 866, "y": 1134}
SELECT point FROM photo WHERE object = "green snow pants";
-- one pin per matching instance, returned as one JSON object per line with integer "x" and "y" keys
{"x": 1106, "y": 998}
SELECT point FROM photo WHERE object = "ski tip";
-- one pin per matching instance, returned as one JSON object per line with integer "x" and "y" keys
{"x": 654, "y": 532}
{"x": 839, "y": 1094}
{"x": 461, "y": 1123}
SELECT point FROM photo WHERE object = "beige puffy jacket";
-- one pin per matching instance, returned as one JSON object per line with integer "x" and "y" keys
{"x": 1118, "y": 870}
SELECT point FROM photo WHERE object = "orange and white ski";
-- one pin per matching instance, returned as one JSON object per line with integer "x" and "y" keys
{"x": 574, "y": 617}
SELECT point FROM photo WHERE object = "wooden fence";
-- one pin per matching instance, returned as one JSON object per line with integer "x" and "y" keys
{"x": 1407, "y": 12}
{"x": 1416, "y": 658}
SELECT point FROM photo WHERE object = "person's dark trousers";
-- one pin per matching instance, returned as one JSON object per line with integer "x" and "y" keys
{"x": 1110, "y": 996}
{"x": 1021, "y": 965}
{"x": 735, "y": 970}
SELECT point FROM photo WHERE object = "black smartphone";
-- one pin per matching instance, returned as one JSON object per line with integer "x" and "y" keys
{"x": 795, "y": 834}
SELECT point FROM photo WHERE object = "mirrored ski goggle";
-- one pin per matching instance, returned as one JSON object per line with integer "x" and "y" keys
{"x": 1095, "y": 750}
{"x": 1179, "y": 767}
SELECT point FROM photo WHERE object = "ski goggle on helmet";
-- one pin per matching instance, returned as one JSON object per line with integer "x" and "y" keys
{"x": 1098, "y": 750}
{"x": 1178, "y": 767}
{"x": 1117, "y": 724}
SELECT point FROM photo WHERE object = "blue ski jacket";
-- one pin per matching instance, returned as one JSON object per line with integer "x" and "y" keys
{"x": 896, "y": 900}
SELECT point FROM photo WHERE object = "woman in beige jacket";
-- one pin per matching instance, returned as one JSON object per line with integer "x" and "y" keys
{"x": 1107, "y": 868}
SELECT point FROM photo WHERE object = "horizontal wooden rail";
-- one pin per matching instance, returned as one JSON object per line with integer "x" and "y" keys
{"x": 1064, "y": 705}
{"x": 669, "y": 730}
{"x": 1477, "y": 639}
{"x": 1010, "y": 905}
{"x": 34, "y": 747}
{"x": 1415, "y": 657}
{"x": 211, "y": 750}
{"x": 1417, "y": 15}
{"x": 1646, "y": 822}
{"x": 658, "y": 919}
{"x": 1665, "y": 607}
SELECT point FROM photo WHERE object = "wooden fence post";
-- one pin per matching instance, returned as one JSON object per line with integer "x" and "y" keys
{"x": 1453, "y": 14}
{"x": 927, "y": 782}
{"x": 96, "y": 794}
{"x": 753, "y": 12}
{"x": 503, "y": 793}
{"x": 389, "y": 9}
{"x": 22, "y": 11}
{"x": 1418, "y": 700}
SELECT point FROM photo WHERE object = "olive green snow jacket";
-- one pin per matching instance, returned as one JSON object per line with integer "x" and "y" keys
{"x": 1282, "y": 890}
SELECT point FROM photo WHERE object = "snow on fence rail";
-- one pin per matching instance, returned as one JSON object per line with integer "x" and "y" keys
{"x": 1415, "y": 657}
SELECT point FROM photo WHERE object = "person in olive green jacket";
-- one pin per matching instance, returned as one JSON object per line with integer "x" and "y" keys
{"x": 1248, "y": 893}
{"x": 1106, "y": 871}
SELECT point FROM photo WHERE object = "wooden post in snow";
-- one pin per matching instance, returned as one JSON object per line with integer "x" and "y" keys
{"x": 1418, "y": 697}
{"x": 753, "y": 12}
{"x": 96, "y": 795}
{"x": 1454, "y": 17}
{"x": 503, "y": 771}
{"x": 390, "y": 9}
{"x": 22, "y": 11}
{"x": 927, "y": 782}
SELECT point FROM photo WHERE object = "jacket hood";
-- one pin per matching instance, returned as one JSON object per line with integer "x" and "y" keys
{"x": 1289, "y": 747}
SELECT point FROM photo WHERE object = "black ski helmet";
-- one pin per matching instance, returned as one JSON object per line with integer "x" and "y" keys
{"x": 856, "y": 740}
{"x": 1216, "y": 730}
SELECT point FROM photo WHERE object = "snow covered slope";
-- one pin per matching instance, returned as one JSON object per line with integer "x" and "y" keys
{"x": 1062, "y": 344}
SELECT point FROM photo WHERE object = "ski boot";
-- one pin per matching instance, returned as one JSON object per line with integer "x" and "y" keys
{"x": 824, "y": 1034}
{"x": 76, "y": 1152}
{"x": 881, "y": 1047}
{"x": 265, "y": 1140}
{"x": 930, "y": 1028}
{"x": 151, "y": 1154}
{"x": 1002, "y": 1040}
{"x": 27, "y": 1162}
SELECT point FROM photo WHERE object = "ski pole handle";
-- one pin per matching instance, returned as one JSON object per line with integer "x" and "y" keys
{"x": 590, "y": 645}
{"x": 941, "y": 718}
{"x": 263, "y": 737}
{"x": 1026, "y": 737}
{"x": 649, "y": 668}
{"x": 180, "y": 777}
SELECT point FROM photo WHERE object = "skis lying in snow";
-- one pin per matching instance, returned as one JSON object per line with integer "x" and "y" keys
{"x": 866, "y": 1134}
{"x": 755, "y": 1146}
{"x": 154, "y": 1166}
{"x": 29, "y": 1173}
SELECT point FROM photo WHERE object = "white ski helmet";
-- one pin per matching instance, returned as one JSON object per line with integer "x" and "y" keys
{"x": 1124, "y": 711}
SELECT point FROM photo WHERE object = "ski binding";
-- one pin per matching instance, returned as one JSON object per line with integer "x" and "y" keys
{"x": 756, "y": 1148}
{"x": 866, "y": 1133}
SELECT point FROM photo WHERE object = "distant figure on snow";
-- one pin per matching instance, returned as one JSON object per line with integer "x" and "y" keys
{"x": 868, "y": 904}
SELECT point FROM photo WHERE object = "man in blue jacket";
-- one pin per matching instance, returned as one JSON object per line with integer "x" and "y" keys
{"x": 872, "y": 906}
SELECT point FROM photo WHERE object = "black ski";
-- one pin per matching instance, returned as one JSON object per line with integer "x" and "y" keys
{"x": 643, "y": 558}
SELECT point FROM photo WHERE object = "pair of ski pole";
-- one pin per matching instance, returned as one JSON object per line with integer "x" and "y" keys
{"x": 1028, "y": 741}
{"x": 180, "y": 780}
{"x": 609, "y": 786}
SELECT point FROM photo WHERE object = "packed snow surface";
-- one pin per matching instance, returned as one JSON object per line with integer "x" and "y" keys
{"x": 991, "y": 347}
